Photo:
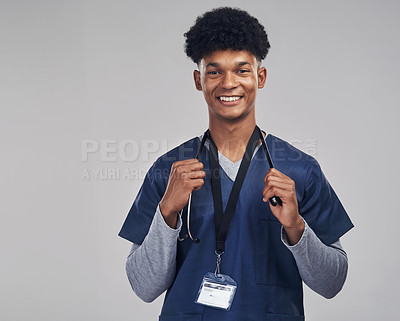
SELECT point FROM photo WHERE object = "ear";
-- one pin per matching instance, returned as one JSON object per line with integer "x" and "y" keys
{"x": 261, "y": 76}
{"x": 197, "y": 82}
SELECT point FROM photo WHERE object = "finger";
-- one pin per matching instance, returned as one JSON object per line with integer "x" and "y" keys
{"x": 195, "y": 166}
{"x": 270, "y": 178}
{"x": 197, "y": 184}
{"x": 282, "y": 184}
{"x": 185, "y": 162}
{"x": 196, "y": 174}
{"x": 185, "y": 170}
{"x": 191, "y": 166}
{"x": 288, "y": 187}
{"x": 188, "y": 161}
{"x": 276, "y": 191}
{"x": 271, "y": 173}
{"x": 275, "y": 172}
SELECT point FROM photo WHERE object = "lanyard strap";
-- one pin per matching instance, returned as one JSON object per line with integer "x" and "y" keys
{"x": 223, "y": 219}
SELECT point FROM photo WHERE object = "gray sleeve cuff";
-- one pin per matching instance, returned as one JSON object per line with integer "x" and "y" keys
{"x": 160, "y": 226}
{"x": 302, "y": 240}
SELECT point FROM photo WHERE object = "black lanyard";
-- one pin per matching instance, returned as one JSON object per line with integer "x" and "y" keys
{"x": 223, "y": 219}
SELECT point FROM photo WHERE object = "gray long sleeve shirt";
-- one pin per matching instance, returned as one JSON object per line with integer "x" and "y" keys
{"x": 151, "y": 266}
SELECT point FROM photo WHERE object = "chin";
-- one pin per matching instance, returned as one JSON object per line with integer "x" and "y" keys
{"x": 233, "y": 117}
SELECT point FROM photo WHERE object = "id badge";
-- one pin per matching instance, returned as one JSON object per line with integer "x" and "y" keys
{"x": 216, "y": 291}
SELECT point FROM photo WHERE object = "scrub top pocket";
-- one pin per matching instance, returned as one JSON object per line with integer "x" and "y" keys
{"x": 275, "y": 264}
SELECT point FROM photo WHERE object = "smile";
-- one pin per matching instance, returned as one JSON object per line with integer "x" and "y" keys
{"x": 229, "y": 98}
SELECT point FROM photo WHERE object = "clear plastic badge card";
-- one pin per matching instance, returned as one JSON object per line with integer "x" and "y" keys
{"x": 217, "y": 291}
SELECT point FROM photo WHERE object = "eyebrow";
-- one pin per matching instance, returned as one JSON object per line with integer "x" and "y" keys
{"x": 212, "y": 64}
{"x": 216, "y": 64}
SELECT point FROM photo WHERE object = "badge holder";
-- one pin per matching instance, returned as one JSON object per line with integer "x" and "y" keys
{"x": 217, "y": 290}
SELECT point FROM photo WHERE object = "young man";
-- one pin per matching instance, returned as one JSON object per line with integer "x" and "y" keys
{"x": 254, "y": 252}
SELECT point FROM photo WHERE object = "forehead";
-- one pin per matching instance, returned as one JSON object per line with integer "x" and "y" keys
{"x": 229, "y": 57}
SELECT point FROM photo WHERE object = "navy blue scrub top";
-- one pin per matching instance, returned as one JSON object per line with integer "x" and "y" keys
{"x": 269, "y": 284}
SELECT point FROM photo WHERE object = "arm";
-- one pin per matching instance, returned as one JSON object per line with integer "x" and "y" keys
{"x": 323, "y": 268}
{"x": 151, "y": 266}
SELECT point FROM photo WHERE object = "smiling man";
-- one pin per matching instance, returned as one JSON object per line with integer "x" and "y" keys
{"x": 229, "y": 236}
{"x": 229, "y": 80}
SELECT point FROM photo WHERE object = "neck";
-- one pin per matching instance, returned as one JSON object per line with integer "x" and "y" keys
{"x": 231, "y": 138}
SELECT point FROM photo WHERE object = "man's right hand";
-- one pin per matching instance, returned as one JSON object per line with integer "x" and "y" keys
{"x": 186, "y": 176}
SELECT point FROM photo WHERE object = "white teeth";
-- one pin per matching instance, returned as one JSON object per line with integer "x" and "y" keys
{"x": 227, "y": 98}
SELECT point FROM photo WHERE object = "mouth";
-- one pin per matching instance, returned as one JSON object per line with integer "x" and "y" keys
{"x": 229, "y": 99}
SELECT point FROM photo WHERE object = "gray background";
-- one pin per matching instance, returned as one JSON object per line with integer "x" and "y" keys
{"x": 111, "y": 71}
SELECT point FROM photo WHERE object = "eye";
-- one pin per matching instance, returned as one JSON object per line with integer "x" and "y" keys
{"x": 242, "y": 71}
{"x": 213, "y": 72}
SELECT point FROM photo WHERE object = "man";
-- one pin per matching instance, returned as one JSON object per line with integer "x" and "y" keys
{"x": 254, "y": 251}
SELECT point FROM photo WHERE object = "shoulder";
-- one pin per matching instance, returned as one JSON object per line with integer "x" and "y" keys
{"x": 289, "y": 157}
{"x": 301, "y": 167}
{"x": 185, "y": 150}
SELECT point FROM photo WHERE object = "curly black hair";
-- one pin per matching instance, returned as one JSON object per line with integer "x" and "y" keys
{"x": 226, "y": 28}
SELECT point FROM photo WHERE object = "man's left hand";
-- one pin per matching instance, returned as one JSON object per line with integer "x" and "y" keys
{"x": 278, "y": 184}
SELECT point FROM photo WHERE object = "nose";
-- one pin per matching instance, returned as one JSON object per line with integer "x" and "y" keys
{"x": 229, "y": 81}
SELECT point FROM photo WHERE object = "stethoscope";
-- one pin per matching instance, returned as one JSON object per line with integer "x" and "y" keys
{"x": 275, "y": 200}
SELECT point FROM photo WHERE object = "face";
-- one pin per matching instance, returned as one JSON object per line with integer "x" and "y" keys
{"x": 229, "y": 81}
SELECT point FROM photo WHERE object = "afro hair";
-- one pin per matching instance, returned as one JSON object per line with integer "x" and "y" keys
{"x": 226, "y": 28}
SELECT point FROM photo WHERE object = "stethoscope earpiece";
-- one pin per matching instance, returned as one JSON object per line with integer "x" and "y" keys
{"x": 275, "y": 200}
{"x": 186, "y": 236}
